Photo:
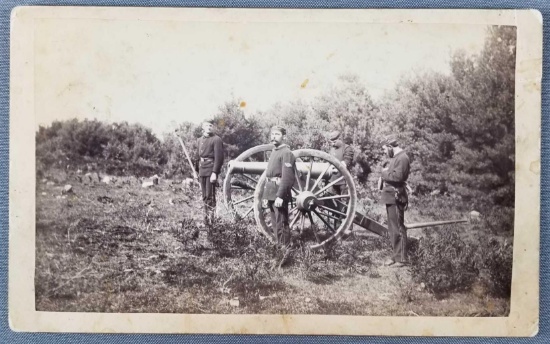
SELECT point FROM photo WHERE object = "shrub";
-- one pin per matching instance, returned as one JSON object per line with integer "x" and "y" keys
{"x": 500, "y": 220}
{"x": 229, "y": 238}
{"x": 495, "y": 263}
{"x": 444, "y": 262}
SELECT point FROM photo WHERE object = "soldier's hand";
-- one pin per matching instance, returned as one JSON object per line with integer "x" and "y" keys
{"x": 278, "y": 202}
{"x": 213, "y": 178}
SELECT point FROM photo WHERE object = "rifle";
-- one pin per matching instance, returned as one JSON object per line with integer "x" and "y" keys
{"x": 196, "y": 177}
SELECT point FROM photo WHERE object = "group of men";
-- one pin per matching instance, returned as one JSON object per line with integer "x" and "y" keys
{"x": 280, "y": 179}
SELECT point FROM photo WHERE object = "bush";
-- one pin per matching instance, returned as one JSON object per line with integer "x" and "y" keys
{"x": 117, "y": 148}
{"x": 495, "y": 263}
{"x": 500, "y": 220}
{"x": 444, "y": 262}
{"x": 230, "y": 238}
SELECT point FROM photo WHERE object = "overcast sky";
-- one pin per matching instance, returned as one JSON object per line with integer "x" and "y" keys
{"x": 161, "y": 73}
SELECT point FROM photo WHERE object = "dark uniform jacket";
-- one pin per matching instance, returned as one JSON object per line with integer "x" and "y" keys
{"x": 210, "y": 155}
{"x": 280, "y": 174}
{"x": 395, "y": 177}
{"x": 343, "y": 153}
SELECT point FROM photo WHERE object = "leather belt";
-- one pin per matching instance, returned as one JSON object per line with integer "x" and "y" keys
{"x": 274, "y": 179}
{"x": 207, "y": 159}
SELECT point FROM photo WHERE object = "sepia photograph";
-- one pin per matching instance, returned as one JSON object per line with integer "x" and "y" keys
{"x": 220, "y": 165}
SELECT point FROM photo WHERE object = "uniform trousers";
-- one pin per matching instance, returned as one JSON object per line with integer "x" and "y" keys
{"x": 279, "y": 222}
{"x": 339, "y": 189}
{"x": 397, "y": 232}
{"x": 208, "y": 198}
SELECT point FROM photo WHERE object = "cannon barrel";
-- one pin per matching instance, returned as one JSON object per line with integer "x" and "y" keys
{"x": 258, "y": 167}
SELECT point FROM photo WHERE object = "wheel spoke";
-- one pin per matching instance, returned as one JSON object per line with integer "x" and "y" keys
{"x": 341, "y": 203}
{"x": 292, "y": 211}
{"x": 295, "y": 219}
{"x": 313, "y": 226}
{"x": 233, "y": 187}
{"x": 302, "y": 224}
{"x": 330, "y": 216}
{"x": 250, "y": 178}
{"x": 329, "y": 185}
{"x": 243, "y": 200}
{"x": 320, "y": 177}
{"x": 297, "y": 178}
{"x": 325, "y": 222}
{"x": 248, "y": 211}
{"x": 332, "y": 210}
{"x": 333, "y": 197}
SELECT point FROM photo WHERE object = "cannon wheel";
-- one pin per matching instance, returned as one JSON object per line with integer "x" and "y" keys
{"x": 318, "y": 218}
{"x": 238, "y": 189}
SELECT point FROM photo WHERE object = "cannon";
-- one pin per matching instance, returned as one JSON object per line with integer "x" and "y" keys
{"x": 315, "y": 211}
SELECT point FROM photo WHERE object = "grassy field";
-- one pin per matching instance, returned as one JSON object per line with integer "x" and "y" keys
{"x": 123, "y": 248}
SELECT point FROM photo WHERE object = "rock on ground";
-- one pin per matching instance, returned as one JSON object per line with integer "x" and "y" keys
{"x": 147, "y": 184}
{"x": 187, "y": 182}
{"x": 475, "y": 216}
{"x": 91, "y": 177}
{"x": 67, "y": 189}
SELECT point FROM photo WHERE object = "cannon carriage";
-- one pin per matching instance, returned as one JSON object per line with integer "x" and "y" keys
{"x": 315, "y": 212}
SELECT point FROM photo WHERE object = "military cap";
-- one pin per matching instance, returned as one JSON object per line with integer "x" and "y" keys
{"x": 279, "y": 128}
{"x": 390, "y": 140}
{"x": 334, "y": 135}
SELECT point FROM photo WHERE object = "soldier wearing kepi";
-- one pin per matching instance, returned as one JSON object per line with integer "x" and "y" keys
{"x": 394, "y": 196}
{"x": 210, "y": 161}
{"x": 344, "y": 154}
{"x": 280, "y": 174}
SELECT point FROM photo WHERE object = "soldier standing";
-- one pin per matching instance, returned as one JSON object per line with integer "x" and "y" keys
{"x": 344, "y": 154}
{"x": 394, "y": 196}
{"x": 210, "y": 161}
{"x": 280, "y": 175}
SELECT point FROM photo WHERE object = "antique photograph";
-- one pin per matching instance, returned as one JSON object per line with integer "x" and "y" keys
{"x": 274, "y": 167}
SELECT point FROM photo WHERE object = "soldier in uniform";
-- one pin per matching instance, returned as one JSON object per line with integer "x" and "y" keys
{"x": 210, "y": 161}
{"x": 344, "y": 154}
{"x": 394, "y": 196}
{"x": 280, "y": 175}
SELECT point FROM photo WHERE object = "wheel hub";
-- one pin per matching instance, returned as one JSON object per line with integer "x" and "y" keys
{"x": 306, "y": 201}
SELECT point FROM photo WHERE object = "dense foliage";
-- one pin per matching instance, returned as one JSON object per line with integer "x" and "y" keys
{"x": 458, "y": 129}
{"x": 118, "y": 148}
{"x": 446, "y": 262}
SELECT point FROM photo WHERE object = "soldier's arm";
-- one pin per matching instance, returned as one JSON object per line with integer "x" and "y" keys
{"x": 397, "y": 173}
{"x": 218, "y": 156}
{"x": 287, "y": 175}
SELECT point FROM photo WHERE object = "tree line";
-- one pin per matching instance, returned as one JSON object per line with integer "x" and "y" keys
{"x": 458, "y": 128}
